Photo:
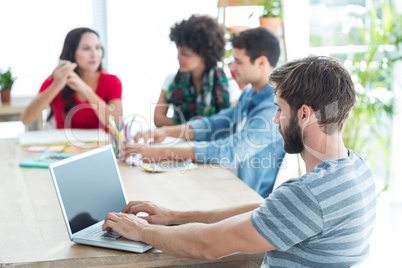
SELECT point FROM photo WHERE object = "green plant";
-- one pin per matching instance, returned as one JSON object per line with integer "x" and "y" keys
{"x": 368, "y": 128}
{"x": 7, "y": 80}
{"x": 271, "y": 8}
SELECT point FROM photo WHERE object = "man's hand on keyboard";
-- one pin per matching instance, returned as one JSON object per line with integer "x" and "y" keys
{"x": 127, "y": 225}
{"x": 112, "y": 235}
{"x": 156, "y": 214}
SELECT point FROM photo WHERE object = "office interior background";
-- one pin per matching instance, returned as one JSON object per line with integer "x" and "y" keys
{"x": 135, "y": 35}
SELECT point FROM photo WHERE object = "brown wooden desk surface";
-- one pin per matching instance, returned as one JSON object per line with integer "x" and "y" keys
{"x": 33, "y": 233}
{"x": 17, "y": 105}
{"x": 12, "y": 111}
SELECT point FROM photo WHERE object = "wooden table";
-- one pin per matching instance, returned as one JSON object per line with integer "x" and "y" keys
{"x": 33, "y": 233}
{"x": 12, "y": 112}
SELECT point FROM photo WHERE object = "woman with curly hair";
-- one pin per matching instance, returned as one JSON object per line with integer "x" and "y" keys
{"x": 199, "y": 88}
{"x": 79, "y": 92}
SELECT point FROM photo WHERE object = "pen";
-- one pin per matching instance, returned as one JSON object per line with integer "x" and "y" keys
{"x": 122, "y": 137}
{"x": 111, "y": 129}
{"x": 121, "y": 132}
{"x": 126, "y": 132}
{"x": 113, "y": 123}
{"x": 131, "y": 124}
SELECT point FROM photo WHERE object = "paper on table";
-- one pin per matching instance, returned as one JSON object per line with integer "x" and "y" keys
{"x": 169, "y": 166}
{"x": 174, "y": 142}
{"x": 37, "y": 148}
{"x": 62, "y": 136}
{"x": 136, "y": 160}
{"x": 55, "y": 149}
{"x": 166, "y": 165}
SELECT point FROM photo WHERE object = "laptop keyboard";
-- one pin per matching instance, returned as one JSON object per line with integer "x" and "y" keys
{"x": 108, "y": 235}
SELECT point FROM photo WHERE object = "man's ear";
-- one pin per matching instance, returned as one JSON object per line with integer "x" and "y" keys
{"x": 262, "y": 61}
{"x": 307, "y": 115}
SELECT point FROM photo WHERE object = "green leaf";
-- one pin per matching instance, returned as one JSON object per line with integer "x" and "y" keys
{"x": 386, "y": 17}
{"x": 6, "y": 80}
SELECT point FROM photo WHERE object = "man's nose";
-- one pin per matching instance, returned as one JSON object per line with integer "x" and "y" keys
{"x": 276, "y": 118}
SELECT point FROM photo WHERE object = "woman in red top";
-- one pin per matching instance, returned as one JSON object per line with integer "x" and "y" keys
{"x": 80, "y": 93}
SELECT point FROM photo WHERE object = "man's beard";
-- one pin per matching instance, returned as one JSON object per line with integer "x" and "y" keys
{"x": 292, "y": 136}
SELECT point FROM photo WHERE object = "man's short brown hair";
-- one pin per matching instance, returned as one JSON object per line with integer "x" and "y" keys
{"x": 321, "y": 83}
{"x": 258, "y": 42}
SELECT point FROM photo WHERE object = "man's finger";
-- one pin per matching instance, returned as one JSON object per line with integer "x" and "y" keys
{"x": 138, "y": 136}
{"x": 135, "y": 209}
{"x": 133, "y": 203}
{"x": 108, "y": 225}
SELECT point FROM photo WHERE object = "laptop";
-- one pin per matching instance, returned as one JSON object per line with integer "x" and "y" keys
{"x": 88, "y": 187}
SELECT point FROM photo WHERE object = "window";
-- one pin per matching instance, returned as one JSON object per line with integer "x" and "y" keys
{"x": 364, "y": 38}
{"x": 32, "y": 35}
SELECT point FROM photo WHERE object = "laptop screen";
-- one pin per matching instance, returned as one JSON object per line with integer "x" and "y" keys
{"x": 89, "y": 186}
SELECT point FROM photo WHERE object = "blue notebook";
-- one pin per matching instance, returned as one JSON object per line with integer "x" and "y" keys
{"x": 43, "y": 160}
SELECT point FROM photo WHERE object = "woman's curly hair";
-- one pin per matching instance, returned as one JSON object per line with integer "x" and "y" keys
{"x": 203, "y": 35}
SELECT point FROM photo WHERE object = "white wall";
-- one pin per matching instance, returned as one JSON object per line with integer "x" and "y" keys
{"x": 32, "y": 34}
{"x": 140, "y": 51}
{"x": 296, "y": 22}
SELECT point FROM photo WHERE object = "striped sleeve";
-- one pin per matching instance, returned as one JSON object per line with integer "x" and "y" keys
{"x": 290, "y": 215}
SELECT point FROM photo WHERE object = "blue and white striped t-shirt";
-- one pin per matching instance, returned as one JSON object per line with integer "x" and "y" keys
{"x": 322, "y": 219}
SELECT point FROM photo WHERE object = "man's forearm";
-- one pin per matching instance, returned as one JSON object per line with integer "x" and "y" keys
{"x": 211, "y": 241}
{"x": 183, "y": 131}
{"x": 181, "y": 217}
{"x": 178, "y": 154}
{"x": 183, "y": 240}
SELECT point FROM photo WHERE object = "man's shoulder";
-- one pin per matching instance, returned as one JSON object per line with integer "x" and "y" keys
{"x": 338, "y": 175}
{"x": 340, "y": 166}
{"x": 248, "y": 90}
{"x": 248, "y": 94}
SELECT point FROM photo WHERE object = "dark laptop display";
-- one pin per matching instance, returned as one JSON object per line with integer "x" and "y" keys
{"x": 89, "y": 188}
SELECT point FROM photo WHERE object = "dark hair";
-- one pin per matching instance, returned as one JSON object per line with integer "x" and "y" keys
{"x": 319, "y": 82}
{"x": 70, "y": 46}
{"x": 203, "y": 35}
{"x": 258, "y": 42}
